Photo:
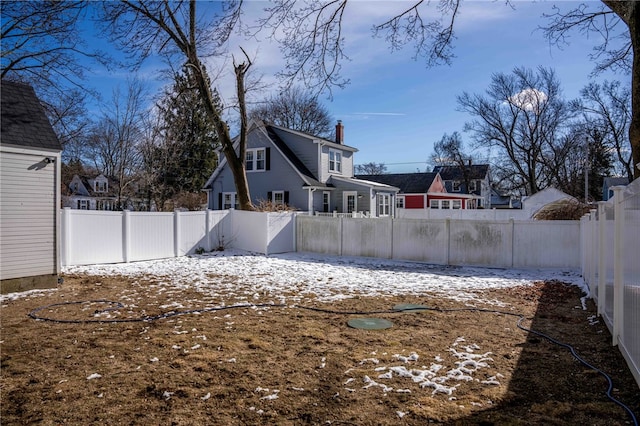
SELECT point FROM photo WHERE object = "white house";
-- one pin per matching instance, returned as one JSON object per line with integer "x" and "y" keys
{"x": 30, "y": 192}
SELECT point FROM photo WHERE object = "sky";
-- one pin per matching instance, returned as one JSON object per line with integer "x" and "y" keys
{"x": 395, "y": 108}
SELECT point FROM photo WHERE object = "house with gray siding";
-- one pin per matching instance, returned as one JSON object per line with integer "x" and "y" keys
{"x": 30, "y": 192}
{"x": 304, "y": 172}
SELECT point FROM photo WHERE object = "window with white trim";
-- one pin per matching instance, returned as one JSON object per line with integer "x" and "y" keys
{"x": 335, "y": 161}
{"x": 277, "y": 197}
{"x": 472, "y": 185}
{"x": 456, "y": 204}
{"x": 446, "y": 204}
{"x": 400, "y": 201}
{"x": 384, "y": 205}
{"x": 100, "y": 186}
{"x": 434, "y": 204}
{"x": 255, "y": 159}
{"x": 83, "y": 204}
{"x": 456, "y": 186}
{"x": 229, "y": 200}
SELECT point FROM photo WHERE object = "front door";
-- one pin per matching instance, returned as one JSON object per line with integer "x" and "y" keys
{"x": 350, "y": 201}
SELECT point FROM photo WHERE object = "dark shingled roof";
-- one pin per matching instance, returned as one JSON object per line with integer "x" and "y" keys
{"x": 478, "y": 171}
{"x": 409, "y": 183}
{"x": 24, "y": 122}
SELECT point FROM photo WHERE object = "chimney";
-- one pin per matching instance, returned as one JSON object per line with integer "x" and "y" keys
{"x": 339, "y": 132}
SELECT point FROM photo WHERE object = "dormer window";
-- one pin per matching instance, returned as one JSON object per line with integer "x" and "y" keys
{"x": 335, "y": 161}
{"x": 255, "y": 159}
{"x": 100, "y": 186}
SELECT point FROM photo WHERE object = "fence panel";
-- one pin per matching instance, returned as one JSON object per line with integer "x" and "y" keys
{"x": 421, "y": 240}
{"x": 319, "y": 235}
{"x": 481, "y": 243}
{"x": 367, "y": 237}
{"x": 554, "y": 244}
{"x": 280, "y": 232}
{"x": 192, "y": 232}
{"x": 92, "y": 237}
{"x": 151, "y": 236}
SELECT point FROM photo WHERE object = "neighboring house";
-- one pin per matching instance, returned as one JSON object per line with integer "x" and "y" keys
{"x": 610, "y": 182}
{"x": 30, "y": 192}
{"x": 503, "y": 201}
{"x": 422, "y": 191}
{"x": 86, "y": 193}
{"x": 303, "y": 171}
{"x": 479, "y": 181}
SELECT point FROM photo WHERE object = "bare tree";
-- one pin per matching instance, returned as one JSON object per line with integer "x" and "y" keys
{"x": 520, "y": 119}
{"x": 613, "y": 21}
{"x": 371, "y": 169}
{"x": 449, "y": 151}
{"x": 607, "y": 107}
{"x": 42, "y": 46}
{"x": 174, "y": 29}
{"x": 115, "y": 137}
{"x": 296, "y": 109}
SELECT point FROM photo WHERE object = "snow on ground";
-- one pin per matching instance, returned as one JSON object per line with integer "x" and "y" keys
{"x": 287, "y": 278}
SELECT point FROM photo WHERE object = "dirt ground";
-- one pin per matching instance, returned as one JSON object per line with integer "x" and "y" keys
{"x": 293, "y": 366}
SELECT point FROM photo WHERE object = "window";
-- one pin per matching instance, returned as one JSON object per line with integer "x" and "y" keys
{"x": 83, "y": 204}
{"x": 256, "y": 159}
{"x": 326, "y": 201}
{"x": 456, "y": 186}
{"x": 350, "y": 201}
{"x": 103, "y": 205}
{"x": 335, "y": 161}
{"x": 277, "y": 197}
{"x": 456, "y": 204}
{"x": 400, "y": 202}
{"x": 384, "y": 205}
{"x": 472, "y": 185}
{"x": 434, "y": 204}
{"x": 100, "y": 186}
{"x": 229, "y": 200}
{"x": 445, "y": 204}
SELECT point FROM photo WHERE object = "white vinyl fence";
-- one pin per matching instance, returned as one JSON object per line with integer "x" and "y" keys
{"x": 507, "y": 243}
{"x": 611, "y": 267}
{"x": 89, "y": 237}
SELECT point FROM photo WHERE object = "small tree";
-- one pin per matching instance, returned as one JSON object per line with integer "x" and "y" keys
{"x": 371, "y": 169}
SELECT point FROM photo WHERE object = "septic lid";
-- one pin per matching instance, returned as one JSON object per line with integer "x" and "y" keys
{"x": 408, "y": 307}
{"x": 370, "y": 323}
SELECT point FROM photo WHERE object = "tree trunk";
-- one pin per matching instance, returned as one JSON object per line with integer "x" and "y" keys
{"x": 629, "y": 12}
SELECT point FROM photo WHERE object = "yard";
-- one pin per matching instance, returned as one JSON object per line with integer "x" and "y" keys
{"x": 233, "y": 338}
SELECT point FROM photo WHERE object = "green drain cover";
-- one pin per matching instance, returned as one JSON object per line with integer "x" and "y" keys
{"x": 370, "y": 323}
{"x": 408, "y": 307}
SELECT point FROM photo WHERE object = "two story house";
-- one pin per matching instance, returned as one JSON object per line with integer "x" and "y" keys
{"x": 85, "y": 193}
{"x": 478, "y": 177}
{"x": 305, "y": 172}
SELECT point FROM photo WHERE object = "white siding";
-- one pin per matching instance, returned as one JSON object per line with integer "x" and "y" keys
{"x": 27, "y": 215}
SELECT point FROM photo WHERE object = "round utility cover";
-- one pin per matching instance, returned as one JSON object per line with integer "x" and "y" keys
{"x": 370, "y": 323}
{"x": 408, "y": 307}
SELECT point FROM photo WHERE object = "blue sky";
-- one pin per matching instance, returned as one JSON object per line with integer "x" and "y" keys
{"x": 395, "y": 108}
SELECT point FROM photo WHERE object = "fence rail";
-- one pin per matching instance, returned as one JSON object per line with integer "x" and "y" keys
{"x": 610, "y": 237}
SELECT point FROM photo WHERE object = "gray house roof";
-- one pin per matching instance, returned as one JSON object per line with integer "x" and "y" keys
{"x": 477, "y": 171}
{"x": 24, "y": 122}
{"x": 408, "y": 183}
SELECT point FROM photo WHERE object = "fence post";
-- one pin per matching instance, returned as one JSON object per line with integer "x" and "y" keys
{"x": 618, "y": 273}
{"x": 126, "y": 235}
{"x": 176, "y": 233}
{"x": 207, "y": 229}
{"x": 594, "y": 234}
{"x": 66, "y": 236}
{"x": 602, "y": 272}
{"x": 447, "y": 226}
{"x": 341, "y": 237}
{"x": 512, "y": 222}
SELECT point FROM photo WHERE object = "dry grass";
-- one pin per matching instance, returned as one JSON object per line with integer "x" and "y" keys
{"x": 289, "y": 366}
